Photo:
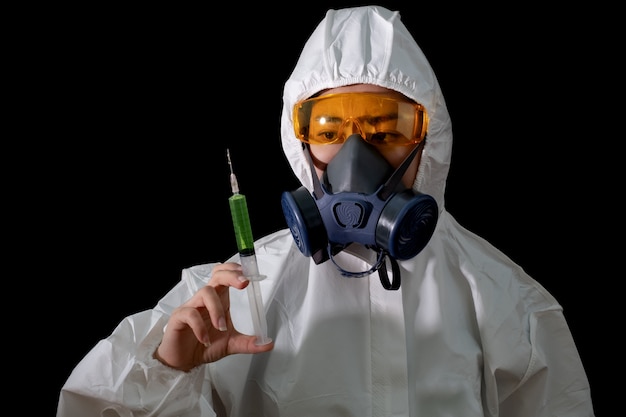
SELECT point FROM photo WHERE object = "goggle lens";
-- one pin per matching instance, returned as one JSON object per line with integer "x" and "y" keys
{"x": 379, "y": 119}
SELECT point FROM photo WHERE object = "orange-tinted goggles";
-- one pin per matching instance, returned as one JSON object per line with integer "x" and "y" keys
{"x": 378, "y": 118}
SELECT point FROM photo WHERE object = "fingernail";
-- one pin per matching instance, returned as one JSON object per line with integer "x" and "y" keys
{"x": 222, "y": 324}
{"x": 242, "y": 278}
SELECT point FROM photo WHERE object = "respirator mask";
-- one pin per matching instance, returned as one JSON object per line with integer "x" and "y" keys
{"x": 360, "y": 197}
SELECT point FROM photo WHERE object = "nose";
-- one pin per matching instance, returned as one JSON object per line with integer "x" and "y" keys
{"x": 351, "y": 126}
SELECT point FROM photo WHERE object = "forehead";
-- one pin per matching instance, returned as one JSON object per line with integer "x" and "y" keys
{"x": 363, "y": 88}
{"x": 354, "y": 105}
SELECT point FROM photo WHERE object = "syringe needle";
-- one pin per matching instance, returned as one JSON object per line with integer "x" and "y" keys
{"x": 230, "y": 164}
{"x": 234, "y": 185}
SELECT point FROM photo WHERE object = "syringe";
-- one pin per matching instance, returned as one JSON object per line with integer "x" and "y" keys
{"x": 247, "y": 256}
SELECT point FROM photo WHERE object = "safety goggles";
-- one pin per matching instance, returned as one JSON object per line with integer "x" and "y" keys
{"x": 378, "y": 118}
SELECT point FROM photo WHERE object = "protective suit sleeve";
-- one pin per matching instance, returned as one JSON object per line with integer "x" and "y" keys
{"x": 555, "y": 377}
{"x": 120, "y": 377}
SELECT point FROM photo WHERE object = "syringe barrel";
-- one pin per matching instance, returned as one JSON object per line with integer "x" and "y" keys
{"x": 241, "y": 223}
{"x": 255, "y": 298}
{"x": 250, "y": 266}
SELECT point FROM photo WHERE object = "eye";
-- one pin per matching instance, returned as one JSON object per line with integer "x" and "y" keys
{"x": 324, "y": 137}
{"x": 378, "y": 137}
{"x": 329, "y": 135}
{"x": 386, "y": 138}
{"x": 324, "y": 130}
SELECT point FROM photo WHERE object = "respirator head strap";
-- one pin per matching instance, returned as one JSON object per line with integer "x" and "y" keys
{"x": 317, "y": 185}
{"x": 379, "y": 266}
{"x": 395, "y": 178}
{"x": 380, "y": 260}
{"x": 395, "y": 271}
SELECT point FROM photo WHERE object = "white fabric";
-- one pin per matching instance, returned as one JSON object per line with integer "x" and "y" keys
{"x": 468, "y": 333}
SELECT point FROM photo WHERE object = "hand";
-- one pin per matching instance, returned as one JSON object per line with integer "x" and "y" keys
{"x": 201, "y": 330}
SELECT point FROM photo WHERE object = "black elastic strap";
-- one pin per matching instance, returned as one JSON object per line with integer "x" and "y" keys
{"x": 395, "y": 178}
{"x": 384, "y": 277}
{"x": 317, "y": 185}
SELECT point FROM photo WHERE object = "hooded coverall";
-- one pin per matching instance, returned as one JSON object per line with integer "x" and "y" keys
{"x": 468, "y": 333}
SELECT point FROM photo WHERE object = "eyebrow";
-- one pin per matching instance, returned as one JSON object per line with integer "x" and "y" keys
{"x": 378, "y": 118}
{"x": 329, "y": 118}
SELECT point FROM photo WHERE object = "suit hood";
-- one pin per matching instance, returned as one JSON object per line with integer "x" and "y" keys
{"x": 370, "y": 45}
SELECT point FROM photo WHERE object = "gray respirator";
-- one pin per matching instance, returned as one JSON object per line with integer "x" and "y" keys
{"x": 361, "y": 199}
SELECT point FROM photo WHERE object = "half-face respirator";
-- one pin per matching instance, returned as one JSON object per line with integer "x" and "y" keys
{"x": 360, "y": 199}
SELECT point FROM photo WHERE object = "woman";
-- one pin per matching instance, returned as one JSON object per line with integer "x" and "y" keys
{"x": 454, "y": 327}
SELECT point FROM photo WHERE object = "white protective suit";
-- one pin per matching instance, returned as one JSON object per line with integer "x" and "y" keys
{"x": 468, "y": 333}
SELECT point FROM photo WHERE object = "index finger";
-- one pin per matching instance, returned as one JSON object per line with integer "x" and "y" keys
{"x": 228, "y": 274}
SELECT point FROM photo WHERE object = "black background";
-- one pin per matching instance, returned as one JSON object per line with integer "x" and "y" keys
{"x": 142, "y": 104}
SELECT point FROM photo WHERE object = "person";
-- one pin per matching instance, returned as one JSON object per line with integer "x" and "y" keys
{"x": 378, "y": 302}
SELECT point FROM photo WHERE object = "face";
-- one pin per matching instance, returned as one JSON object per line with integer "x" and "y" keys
{"x": 323, "y": 154}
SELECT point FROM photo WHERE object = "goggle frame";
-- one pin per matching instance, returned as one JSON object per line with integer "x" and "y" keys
{"x": 303, "y": 111}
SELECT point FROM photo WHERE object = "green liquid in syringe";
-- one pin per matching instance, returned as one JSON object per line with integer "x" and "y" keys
{"x": 241, "y": 223}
